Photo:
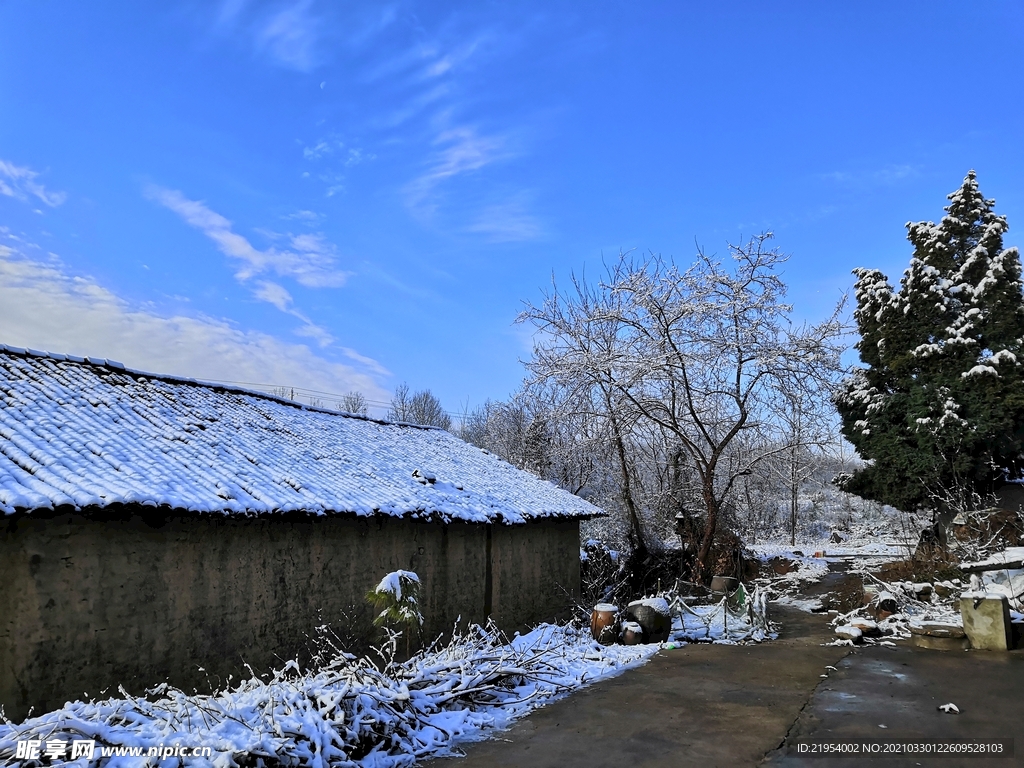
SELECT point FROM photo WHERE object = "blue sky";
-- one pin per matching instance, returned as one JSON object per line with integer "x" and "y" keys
{"x": 347, "y": 196}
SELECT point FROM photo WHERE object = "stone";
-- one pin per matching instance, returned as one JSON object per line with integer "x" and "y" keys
{"x": 847, "y": 632}
{"x": 944, "y": 588}
{"x": 867, "y": 627}
{"x": 939, "y": 636}
{"x": 987, "y": 621}
{"x": 781, "y": 566}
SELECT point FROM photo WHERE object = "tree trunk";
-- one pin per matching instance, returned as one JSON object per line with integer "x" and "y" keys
{"x": 700, "y": 566}
{"x": 793, "y": 499}
{"x": 636, "y": 530}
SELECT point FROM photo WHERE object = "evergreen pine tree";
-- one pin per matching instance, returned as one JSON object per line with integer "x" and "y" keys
{"x": 938, "y": 407}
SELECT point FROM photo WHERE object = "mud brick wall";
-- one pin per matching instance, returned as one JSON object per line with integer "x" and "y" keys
{"x": 136, "y": 596}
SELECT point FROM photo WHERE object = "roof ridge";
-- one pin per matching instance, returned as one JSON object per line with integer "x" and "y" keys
{"x": 175, "y": 379}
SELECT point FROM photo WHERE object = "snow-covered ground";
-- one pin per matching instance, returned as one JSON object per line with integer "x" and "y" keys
{"x": 348, "y": 712}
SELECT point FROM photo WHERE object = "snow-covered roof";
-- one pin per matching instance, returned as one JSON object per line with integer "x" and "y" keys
{"x": 92, "y": 433}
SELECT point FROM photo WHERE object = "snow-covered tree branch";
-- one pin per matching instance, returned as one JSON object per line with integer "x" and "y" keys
{"x": 704, "y": 354}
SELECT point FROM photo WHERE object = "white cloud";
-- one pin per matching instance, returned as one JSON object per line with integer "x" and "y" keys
{"x": 310, "y": 260}
{"x": 507, "y": 223}
{"x": 46, "y": 308}
{"x": 275, "y": 294}
{"x": 290, "y": 36}
{"x": 320, "y": 149}
{"x": 20, "y": 182}
{"x": 369, "y": 362}
{"x": 464, "y": 151}
{"x": 307, "y": 216}
{"x": 357, "y": 156}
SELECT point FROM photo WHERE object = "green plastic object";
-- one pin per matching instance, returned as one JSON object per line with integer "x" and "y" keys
{"x": 738, "y": 599}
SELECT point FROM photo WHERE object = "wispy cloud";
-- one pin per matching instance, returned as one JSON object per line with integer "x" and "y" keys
{"x": 290, "y": 36}
{"x": 463, "y": 150}
{"x": 440, "y": 64}
{"x": 309, "y": 217}
{"x": 507, "y": 223}
{"x": 46, "y": 308}
{"x": 369, "y": 362}
{"x": 20, "y": 183}
{"x": 288, "y": 33}
{"x": 323, "y": 148}
{"x": 890, "y": 174}
{"x": 278, "y": 295}
{"x": 335, "y": 155}
{"x": 311, "y": 259}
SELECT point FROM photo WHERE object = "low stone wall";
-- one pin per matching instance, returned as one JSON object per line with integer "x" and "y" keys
{"x": 97, "y": 599}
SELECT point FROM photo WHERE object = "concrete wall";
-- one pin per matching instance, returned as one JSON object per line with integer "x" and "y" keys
{"x": 89, "y": 601}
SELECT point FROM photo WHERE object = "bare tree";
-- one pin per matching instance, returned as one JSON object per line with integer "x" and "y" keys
{"x": 703, "y": 353}
{"x": 354, "y": 402}
{"x": 422, "y": 407}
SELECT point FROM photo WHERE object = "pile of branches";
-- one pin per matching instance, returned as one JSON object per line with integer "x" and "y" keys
{"x": 350, "y": 711}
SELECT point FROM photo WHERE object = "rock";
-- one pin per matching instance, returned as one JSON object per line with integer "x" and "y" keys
{"x": 923, "y": 591}
{"x": 780, "y": 566}
{"x": 987, "y": 621}
{"x": 653, "y": 617}
{"x": 939, "y": 636}
{"x": 937, "y": 629}
{"x": 944, "y": 588}
{"x": 867, "y": 627}
{"x": 850, "y": 633}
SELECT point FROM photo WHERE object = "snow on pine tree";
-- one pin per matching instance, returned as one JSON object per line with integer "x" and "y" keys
{"x": 938, "y": 407}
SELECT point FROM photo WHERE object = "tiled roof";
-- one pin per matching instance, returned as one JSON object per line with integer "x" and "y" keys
{"x": 91, "y": 433}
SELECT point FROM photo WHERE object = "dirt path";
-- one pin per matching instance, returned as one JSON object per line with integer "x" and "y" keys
{"x": 716, "y": 705}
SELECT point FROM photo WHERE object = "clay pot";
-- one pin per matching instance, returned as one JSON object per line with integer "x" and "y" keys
{"x": 604, "y": 625}
{"x": 632, "y": 633}
{"x": 653, "y": 617}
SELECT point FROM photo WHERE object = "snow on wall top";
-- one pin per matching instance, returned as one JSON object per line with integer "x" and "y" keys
{"x": 85, "y": 432}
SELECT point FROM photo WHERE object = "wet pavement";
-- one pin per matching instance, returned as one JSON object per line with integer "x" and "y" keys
{"x": 720, "y": 705}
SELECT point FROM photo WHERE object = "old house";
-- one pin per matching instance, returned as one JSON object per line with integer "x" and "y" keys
{"x": 156, "y": 528}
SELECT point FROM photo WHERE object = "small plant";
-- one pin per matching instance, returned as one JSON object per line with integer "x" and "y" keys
{"x": 397, "y": 603}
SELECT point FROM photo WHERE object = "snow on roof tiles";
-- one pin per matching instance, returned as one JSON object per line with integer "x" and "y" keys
{"x": 87, "y": 432}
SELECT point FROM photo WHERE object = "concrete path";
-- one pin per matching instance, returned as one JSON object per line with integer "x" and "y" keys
{"x": 715, "y": 705}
